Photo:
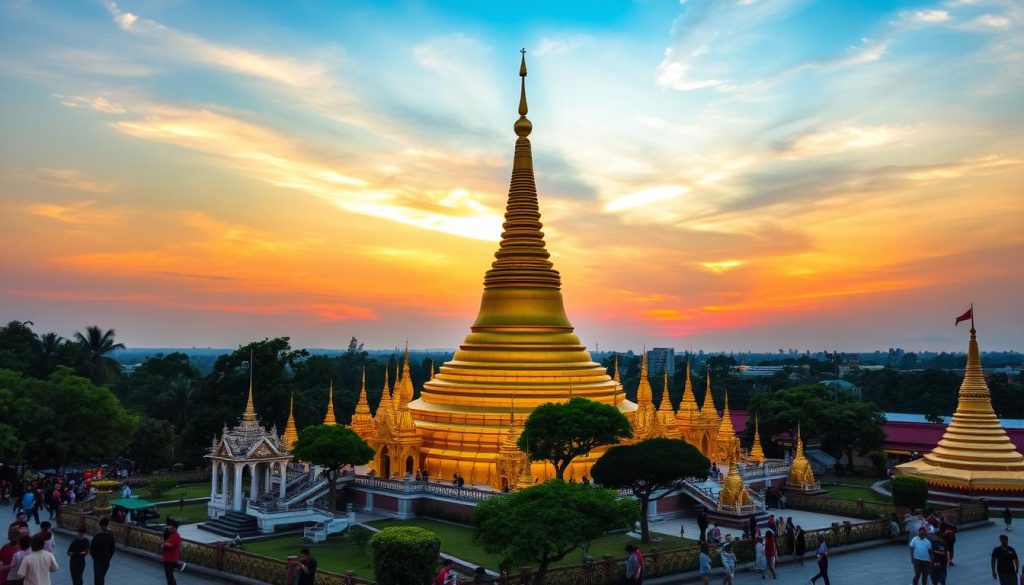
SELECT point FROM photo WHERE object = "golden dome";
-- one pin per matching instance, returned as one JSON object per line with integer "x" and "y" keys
{"x": 974, "y": 451}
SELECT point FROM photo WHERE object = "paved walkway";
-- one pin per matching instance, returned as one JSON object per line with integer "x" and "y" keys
{"x": 125, "y": 569}
{"x": 806, "y": 520}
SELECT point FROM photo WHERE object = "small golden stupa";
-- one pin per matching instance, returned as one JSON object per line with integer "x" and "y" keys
{"x": 521, "y": 342}
{"x": 734, "y": 496}
{"x": 975, "y": 457}
{"x": 801, "y": 477}
{"x": 646, "y": 421}
{"x": 329, "y": 417}
{"x": 756, "y": 452}
{"x": 362, "y": 420}
{"x": 667, "y": 416}
{"x": 290, "y": 433}
{"x": 727, "y": 447}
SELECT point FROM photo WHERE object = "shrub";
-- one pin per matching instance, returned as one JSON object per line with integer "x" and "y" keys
{"x": 909, "y": 492}
{"x": 405, "y": 555}
{"x": 159, "y": 486}
{"x": 360, "y": 539}
{"x": 178, "y": 467}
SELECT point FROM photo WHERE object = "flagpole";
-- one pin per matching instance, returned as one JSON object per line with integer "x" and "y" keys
{"x": 972, "y": 317}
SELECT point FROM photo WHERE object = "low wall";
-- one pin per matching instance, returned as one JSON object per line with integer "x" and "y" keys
{"x": 217, "y": 557}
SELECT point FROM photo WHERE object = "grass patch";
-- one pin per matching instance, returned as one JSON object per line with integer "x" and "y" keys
{"x": 843, "y": 492}
{"x": 336, "y": 554}
{"x": 191, "y": 490}
{"x": 457, "y": 540}
{"x": 190, "y": 514}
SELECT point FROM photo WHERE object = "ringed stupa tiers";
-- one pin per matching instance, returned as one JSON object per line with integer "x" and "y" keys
{"x": 975, "y": 458}
{"x": 521, "y": 351}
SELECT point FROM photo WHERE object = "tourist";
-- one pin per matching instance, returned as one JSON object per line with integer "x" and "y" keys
{"x": 782, "y": 500}
{"x": 37, "y": 565}
{"x": 771, "y": 523}
{"x": 799, "y": 544}
{"x": 455, "y": 479}
{"x": 640, "y": 564}
{"x": 24, "y": 543}
{"x": 171, "y": 551}
{"x": 790, "y": 534}
{"x": 461, "y": 482}
{"x": 949, "y": 537}
{"x": 446, "y": 576}
{"x": 702, "y": 523}
{"x": 28, "y": 504}
{"x": 7, "y": 552}
{"x": 101, "y": 549}
{"x": 307, "y": 568}
{"x": 1005, "y": 563}
{"x": 822, "y": 555}
{"x": 1008, "y": 519}
{"x": 632, "y": 572}
{"x": 716, "y": 535}
{"x": 77, "y": 550}
{"x": 705, "y": 564}
{"x": 771, "y": 552}
{"x": 760, "y": 560}
{"x": 426, "y": 476}
{"x": 728, "y": 563}
{"x": 44, "y": 531}
{"x": 940, "y": 558}
{"x": 921, "y": 555}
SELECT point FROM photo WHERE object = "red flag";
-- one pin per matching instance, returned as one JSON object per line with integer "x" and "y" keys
{"x": 968, "y": 315}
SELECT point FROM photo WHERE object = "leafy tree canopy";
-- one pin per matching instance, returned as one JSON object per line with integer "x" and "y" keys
{"x": 560, "y": 432}
{"x": 649, "y": 466}
{"x": 331, "y": 447}
{"x": 543, "y": 523}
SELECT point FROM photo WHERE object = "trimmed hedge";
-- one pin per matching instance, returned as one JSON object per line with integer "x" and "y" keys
{"x": 910, "y": 492}
{"x": 405, "y": 555}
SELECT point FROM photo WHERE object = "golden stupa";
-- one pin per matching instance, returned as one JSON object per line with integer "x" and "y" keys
{"x": 756, "y": 451}
{"x": 801, "y": 476}
{"x": 362, "y": 420}
{"x": 329, "y": 417}
{"x": 734, "y": 496}
{"x": 521, "y": 343}
{"x": 290, "y": 433}
{"x": 975, "y": 455}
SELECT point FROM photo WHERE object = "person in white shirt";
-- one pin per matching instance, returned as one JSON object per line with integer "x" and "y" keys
{"x": 36, "y": 567}
{"x": 921, "y": 555}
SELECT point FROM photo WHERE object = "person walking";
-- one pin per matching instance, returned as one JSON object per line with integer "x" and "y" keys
{"x": 949, "y": 537}
{"x": 799, "y": 544}
{"x": 1005, "y": 563}
{"x": 171, "y": 551}
{"x": 446, "y": 576}
{"x": 101, "y": 549}
{"x": 760, "y": 560}
{"x": 307, "y": 568}
{"x": 77, "y": 551}
{"x": 24, "y": 543}
{"x": 632, "y": 573}
{"x": 790, "y": 534}
{"x": 1008, "y": 519}
{"x": 702, "y": 524}
{"x": 704, "y": 561}
{"x": 940, "y": 560}
{"x": 822, "y": 555}
{"x": 771, "y": 552}
{"x": 921, "y": 555}
{"x": 728, "y": 563}
{"x": 37, "y": 565}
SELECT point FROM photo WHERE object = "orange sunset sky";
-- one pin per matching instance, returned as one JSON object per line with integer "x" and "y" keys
{"x": 717, "y": 175}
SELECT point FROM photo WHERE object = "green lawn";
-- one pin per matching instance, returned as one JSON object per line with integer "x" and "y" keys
{"x": 856, "y": 488}
{"x": 190, "y": 514}
{"x": 336, "y": 555}
{"x": 191, "y": 490}
{"x": 457, "y": 540}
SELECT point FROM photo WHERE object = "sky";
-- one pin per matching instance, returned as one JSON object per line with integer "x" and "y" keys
{"x": 741, "y": 175}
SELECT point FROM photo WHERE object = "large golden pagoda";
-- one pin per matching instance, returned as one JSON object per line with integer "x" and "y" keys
{"x": 521, "y": 342}
{"x": 975, "y": 456}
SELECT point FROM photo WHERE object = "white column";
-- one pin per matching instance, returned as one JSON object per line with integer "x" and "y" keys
{"x": 266, "y": 477}
{"x": 254, "y": 482}
{"x": 225, "y": 481}
{"x": 284, "y": 475}
{"x": 213, "y": 480}
{"x": 236, "y": 505}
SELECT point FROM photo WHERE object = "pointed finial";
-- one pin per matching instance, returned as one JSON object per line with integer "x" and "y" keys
{"x": 643, "y": 364}
{"x": 249, "y": 416}
{"x": 329, "y": 417}
{"x": 523, "y": 127}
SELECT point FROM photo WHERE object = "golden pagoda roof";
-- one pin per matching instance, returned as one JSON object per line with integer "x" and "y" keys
{"x": 329, "y": 417}
{"x": 709, "y": 416}
{"x": 725, "y": 430}
{"x": 975, "y": 450}
{"x": 362, "y": 420}
{"x": 756, "y": 451}
{"x": 688, "y": 402}
{"x": 801, "y": 476}
{"x": 644, "y": 393}
{"x": 249, "y": 414}
{"x": 291, "y": 434}
{"x": 734, "y": 491}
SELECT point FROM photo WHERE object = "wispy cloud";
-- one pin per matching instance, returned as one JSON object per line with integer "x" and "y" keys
{"x": 70, "y": 178}
{"x": 841, "y": 139}
{"x": 77, "y": 213}
{"x": 98, "y": 103}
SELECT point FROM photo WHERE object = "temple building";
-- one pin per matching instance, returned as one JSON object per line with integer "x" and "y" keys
{"x": 975, "y": 457}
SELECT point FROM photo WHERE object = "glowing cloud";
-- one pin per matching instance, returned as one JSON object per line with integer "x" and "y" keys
{"x": 644, "y": 197}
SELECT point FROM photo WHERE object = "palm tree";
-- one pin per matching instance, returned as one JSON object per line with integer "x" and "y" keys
{"x": 177, "y": 398}
{"x": 96, "y": 346}
{"x": 51, "y": 348}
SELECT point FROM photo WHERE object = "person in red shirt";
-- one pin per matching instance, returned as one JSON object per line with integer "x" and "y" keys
{"x": 7, "y": 553}
{"x": 171, "y": 551}
{"x": 771, "y": 552}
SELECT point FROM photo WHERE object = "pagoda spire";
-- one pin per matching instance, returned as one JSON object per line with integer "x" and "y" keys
{"x": 384, "y": 406}
{"x": 708, "y": 398}
{"x": 329, "y": 417}
{"x": 362, "y": 420}
{"x": 249, "y": 416}
{"x": 644, "y": 394}
{"x": 756, "y": 452}
{"x": 688, "y": 403}
{"x": 291, "y": 434}
{"x": 801, "y": 476}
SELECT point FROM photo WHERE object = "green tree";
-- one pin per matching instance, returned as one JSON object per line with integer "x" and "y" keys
{"x": 853, "y": 426}
{"x": 560, "y": 432}
{"x": 544, "y": 523}
{"x": 152, "y": 445}
{"x": 647, "y": 467}
{"x": 17, "y": 345}
{"x": 404, "y": 555}
{"x": 70, "y": 420}
{"x": 331, "y": 447}
{"x": 96, "y": 347}
{"x": 909, "y": 492}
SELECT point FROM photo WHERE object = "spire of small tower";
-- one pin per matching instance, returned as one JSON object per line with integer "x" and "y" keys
{"x": 362, "y": 421}
{"x": 708, "y": 399}
{"x": 688, "y": 402}
{"x": 644, "y": 394}
{"x": 291, "y": 434}
{"x": 384, "y": 406}
{"x": 615, "y": 367}
{"x": 663, "y": 399}
{"x": 329, "y": 417}
{"x": 756, "y": 452}
{"x": 249, "y": 416}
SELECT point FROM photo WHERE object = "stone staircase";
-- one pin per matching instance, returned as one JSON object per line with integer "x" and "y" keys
{"x": 231, "y": 524}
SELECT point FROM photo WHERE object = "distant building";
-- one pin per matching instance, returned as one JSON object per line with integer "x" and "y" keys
{"x": 758, "y": 371}
{"x": 661, "y": 360}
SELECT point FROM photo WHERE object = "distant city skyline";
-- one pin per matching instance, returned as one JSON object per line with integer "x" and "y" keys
{"x": 750, "y": 175}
